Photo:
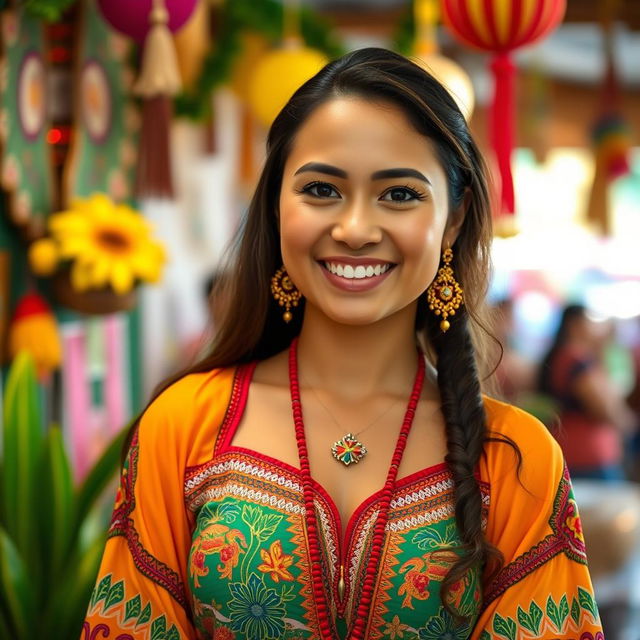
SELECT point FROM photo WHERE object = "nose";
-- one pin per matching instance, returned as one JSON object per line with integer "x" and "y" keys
{"x": 356, "y": 226}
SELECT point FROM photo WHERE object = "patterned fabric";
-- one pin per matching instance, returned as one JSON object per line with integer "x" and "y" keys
{"x": 208, "y": 540}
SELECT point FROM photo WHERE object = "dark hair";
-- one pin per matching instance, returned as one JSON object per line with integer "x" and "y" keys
{"x": 253, "y": 328}
{"x": 569, "y": 315}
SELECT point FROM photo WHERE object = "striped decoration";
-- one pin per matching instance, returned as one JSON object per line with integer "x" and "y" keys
{"x": 499, "y": 27}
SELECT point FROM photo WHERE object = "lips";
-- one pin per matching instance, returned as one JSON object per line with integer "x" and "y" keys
{"x": 352, "y": 274}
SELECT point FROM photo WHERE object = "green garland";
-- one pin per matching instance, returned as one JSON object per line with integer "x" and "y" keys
{"x": 48, "y": 10}
{"x": 238, "y": 16}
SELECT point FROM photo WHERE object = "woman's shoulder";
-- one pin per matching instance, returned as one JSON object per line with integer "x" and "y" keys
{"x": 516, "y": 435}
{"x": 187, "y": 415}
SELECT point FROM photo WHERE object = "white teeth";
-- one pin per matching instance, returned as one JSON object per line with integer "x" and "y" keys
{"x": 359, "y": 272}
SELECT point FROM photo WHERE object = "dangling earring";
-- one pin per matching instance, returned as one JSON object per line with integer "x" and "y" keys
{"x": 285, "y": 292}
{"x": 444, "y": 294}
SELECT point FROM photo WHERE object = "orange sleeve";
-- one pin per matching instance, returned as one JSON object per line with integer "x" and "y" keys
{"x": 543, "y": 590}
{"x": 141, "y": 591}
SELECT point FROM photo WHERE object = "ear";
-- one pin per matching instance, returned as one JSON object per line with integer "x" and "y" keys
{"x": 455, "y": 221}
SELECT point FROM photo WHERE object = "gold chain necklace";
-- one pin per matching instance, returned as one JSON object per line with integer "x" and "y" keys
{"x": 349, "y": 448}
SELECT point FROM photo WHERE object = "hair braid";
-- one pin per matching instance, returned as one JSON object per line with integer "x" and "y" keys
{"x": 466, "y": 432}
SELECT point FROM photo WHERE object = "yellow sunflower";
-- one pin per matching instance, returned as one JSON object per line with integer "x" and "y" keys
{"x": 108, "y": 244}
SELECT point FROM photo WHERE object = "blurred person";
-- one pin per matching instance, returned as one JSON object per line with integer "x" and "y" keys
{"x": 515, "y": 376}
{"x": 593, "y": 419}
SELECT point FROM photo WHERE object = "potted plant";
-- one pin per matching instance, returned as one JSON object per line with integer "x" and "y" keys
{"x": 52, "y": 533}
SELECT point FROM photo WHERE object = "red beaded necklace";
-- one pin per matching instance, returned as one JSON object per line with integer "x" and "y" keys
{"x": 362, "y": 614}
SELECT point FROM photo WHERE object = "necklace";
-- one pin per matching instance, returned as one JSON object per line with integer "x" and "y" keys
{"x": 318, "y": 585}
{"x": 349, "y": 448}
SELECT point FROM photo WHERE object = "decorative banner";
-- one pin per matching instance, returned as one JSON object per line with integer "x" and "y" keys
{"x": 25, "y": 172}
{"x": 102, "y": 156}
{"x": 500, "y": 27}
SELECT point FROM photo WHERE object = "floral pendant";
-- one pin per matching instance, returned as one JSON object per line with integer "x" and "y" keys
{"x": 349, "y": 449}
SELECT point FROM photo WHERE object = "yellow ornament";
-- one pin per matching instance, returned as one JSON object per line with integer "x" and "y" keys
{"x": 43, "y": 257}
{"x": 253, "y": 47}
{"x": 277, "y": 77}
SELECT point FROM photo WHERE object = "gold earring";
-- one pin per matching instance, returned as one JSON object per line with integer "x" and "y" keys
{"x": 444, "y": 294}
{"x": 285, "y": 292}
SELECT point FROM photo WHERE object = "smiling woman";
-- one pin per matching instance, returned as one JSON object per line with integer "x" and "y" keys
{"x": 331, "y": 469}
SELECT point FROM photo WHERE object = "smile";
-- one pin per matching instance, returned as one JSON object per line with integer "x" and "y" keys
{"x": 357, "y": 272}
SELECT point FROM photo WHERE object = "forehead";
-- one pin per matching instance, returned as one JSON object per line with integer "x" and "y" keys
{"x": 362, "y": 134}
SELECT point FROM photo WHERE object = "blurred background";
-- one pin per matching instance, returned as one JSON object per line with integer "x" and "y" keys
{"x": 131, "y": 137}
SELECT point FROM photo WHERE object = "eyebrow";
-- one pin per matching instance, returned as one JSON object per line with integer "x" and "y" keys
{"x": 383, "y": 174}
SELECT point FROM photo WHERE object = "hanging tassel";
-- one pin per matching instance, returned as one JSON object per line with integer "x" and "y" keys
{"x": 610, "y": 134}
{"x": 34, "y": 329}
{"x": 158, "y": 82}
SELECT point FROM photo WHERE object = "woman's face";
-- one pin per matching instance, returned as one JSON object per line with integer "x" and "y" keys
{"x": 363, "y": 211}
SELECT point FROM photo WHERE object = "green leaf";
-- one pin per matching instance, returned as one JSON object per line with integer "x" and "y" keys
{"x": 67, "y": 606}
{"x": 587, "y": 602}
{"x": 427, "y": 538}
{"x": 15, "y": 588}
{"x": 563, "y": 611}
{"x": 575, "y": 611}
{"x": 57, "y": 512}
{"x": 250, "y": 516}
{"x": 158, "y": 628}
{"x": 505, "y": 627}
{"x": 23, "y": 439}
{"x": 99, "y": 477}
{"x": 116, "y": 595}
{"x": 132, "y": 608}
{"x": 172, "y": 634}
{"x": 145, "y": 616}
{"x": 102, "y": 591}
{"x": 553, "y": 613}
{"x": 266, "y": 526}
{"x": 485, "y": 635}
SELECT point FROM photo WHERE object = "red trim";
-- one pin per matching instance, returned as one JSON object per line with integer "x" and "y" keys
{"x": 236, "y": 407}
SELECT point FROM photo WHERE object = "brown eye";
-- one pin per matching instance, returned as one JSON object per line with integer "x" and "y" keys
{"x": 401, "y": 194}
{"x": 321, "y": 190}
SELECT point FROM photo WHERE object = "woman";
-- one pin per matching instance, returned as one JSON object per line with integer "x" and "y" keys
{"x": 592, "y": 417}
{"x": 279, "y": 490}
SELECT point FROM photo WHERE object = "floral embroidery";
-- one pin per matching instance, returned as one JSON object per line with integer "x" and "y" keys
{"x": 275, "y": 562}
{"x": 110, "y": 601}
{"x": 223, "y": 633}
{"x": 395, "y": 628}
{"x": 256, "y": 610}
{"x": 419, "y": 573}
{"x": 215, "y": 538}
{"x": 566, "y": 538}
{"x": 442, "y": 626}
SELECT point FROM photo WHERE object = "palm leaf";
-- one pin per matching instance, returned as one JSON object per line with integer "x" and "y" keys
{"x": 15, "y": 588}
{"x": 21, "y": 459}
{"x": 57, "y": 514}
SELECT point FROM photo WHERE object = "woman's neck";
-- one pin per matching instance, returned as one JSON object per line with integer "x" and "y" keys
{"x": 355, "y": 361}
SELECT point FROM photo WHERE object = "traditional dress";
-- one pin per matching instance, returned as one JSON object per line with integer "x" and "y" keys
{"x": 209, "y": 540}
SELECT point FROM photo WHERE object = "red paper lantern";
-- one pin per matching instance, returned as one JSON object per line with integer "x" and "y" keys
{"x": 499, "y": 27}
{"x": 132, "y": 18}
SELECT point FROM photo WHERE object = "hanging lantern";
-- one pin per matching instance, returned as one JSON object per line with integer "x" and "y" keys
{"x": 449, "y": 73}
{"x": 499, "y": 27}
{"x": 132, "y": 18}
{"x": 280, "y": 73}
{"x": 278, "y": 76}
